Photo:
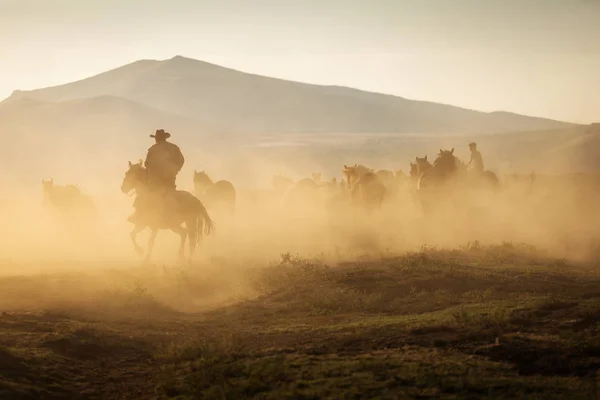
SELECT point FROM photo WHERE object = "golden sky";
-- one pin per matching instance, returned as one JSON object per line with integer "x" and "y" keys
{"x": 536, "y": 57}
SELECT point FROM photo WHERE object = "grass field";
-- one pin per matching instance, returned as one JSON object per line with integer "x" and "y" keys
{"x": 500, "y": 321}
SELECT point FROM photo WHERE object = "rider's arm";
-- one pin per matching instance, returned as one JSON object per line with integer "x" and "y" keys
{"x": 147, "y": 157}
{"x": 179, "y": 158}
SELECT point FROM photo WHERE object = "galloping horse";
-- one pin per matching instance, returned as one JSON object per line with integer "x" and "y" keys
{"x": 214, "y": 193}
{"x": 449, "y": 175}
{"x": 152, "y": 212}
{"x": 416, "y": 170}
{"x": 449, "y": 170}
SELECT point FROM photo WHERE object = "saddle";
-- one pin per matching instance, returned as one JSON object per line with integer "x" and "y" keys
{"x": 155, "y": 207}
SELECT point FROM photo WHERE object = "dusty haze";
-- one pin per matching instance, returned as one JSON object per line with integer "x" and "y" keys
{"x": 304, "y": 291}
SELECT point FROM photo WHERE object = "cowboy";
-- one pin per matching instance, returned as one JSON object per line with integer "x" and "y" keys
{"x": 476, "y": 160}
{"x": 163, "y": 161}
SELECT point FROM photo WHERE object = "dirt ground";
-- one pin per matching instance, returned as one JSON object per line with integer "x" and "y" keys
{"x": 501, "y": 321}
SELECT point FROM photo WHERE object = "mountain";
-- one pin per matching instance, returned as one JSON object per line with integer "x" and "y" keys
{"x": 235, "y": 101}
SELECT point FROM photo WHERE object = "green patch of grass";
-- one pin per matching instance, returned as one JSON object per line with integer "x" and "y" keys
{"x": 477, "y": 322}
{"x": 410, "y": 372}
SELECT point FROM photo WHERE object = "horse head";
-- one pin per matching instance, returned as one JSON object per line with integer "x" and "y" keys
{"x": 201, "y": 179}
{"x": 351, "y": 173}
{"x": 48, "y": 185}
{"x": 134, "y": 177}
{"x": 446, "y": 161}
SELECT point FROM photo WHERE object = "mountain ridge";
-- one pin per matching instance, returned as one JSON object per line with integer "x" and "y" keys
{"x": 251, "y": 103}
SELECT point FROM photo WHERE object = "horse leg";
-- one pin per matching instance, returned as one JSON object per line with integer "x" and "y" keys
{"x": 192, "y": 234}
{"x": 182, "y": 234}
{"x": 137, "y": 229}
{"x": 151, "y": 243}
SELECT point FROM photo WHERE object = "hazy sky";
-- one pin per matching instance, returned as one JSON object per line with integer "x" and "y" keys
{"x": 537, "y": 57}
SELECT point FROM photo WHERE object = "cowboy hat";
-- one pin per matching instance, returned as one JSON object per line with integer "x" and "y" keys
{"x": 160, "y": 133}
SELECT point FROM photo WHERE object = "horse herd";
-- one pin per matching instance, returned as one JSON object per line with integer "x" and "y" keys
{"x": 360, "y": 186}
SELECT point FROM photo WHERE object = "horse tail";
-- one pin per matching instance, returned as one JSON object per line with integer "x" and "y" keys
{"x": 204, "y": 221}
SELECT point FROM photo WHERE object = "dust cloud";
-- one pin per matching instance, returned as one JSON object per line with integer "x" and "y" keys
{"x": 555, "y": 213}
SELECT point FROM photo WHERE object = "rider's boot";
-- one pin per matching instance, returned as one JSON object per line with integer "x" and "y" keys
{"x": 169, "y": 202}
{"x": 134, "y": 218}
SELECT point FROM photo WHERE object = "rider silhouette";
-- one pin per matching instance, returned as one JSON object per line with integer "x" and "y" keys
{"x": 476, "y": 159}
{"x": 163, "y": 162}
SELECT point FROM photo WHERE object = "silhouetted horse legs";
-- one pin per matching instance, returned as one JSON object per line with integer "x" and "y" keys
{"x": 194, "y": 224}
{"x": 151, "y": 244}
{"x": 191, "y": 225}
{"x": 178, "y": 229}
{"x": 137, "y": 229}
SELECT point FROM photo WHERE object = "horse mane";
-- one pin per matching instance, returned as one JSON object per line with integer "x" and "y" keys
{"x": 423, "y": 161}
{"x": 358, "y": 175}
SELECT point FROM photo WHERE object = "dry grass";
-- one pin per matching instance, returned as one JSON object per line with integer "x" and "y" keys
{"x": 476, "y": 322}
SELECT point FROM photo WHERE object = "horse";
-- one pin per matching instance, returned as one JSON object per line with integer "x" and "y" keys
{"x": 388, "y": 178}
{"x": 450, "y": 175}
{"x": 316, "y": 177}
{"x": 422, "y": 165}
{"x": 214, "y": 193}
{"x": 414, "y": 172}
{"x": 385, "y": 175}
{"x": 67, "y": 199}
{"x": 417, "y": 168}
{"x": 444, "y": 171}
{"x": 303, "y": 193}
{"x": 152, "y": 212}
{"x": 364, "y": 185}
{"x": 400, "y": 177}
{"x": 306, "y": 184}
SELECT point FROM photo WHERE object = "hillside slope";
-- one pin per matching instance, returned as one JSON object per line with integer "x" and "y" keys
{"x": 241, "y": 102}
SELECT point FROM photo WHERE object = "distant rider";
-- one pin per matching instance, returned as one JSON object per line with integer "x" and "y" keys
{"x": 476, "y": 161}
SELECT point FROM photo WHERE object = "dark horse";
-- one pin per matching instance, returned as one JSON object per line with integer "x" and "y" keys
{"x": 449, "y": 175}
{"x": 152, "y": 212}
